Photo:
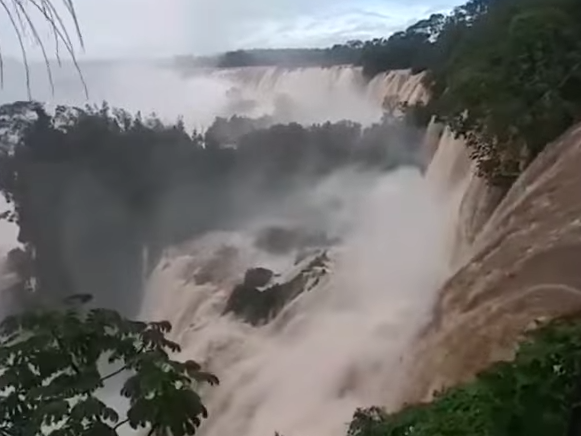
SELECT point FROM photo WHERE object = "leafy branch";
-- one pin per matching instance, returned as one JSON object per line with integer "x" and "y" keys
{"x": 22, "y": 21}
{"x": 534, "y": 395}
{"x": 51, "y": 371}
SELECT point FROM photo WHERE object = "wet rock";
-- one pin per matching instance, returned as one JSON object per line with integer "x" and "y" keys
{"x": 257, "y": 277}
{"x": 257, "y": 307}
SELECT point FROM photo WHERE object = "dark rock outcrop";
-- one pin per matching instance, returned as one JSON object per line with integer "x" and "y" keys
{"x": 256, "y": 306}
{"x": 257, "y": 277}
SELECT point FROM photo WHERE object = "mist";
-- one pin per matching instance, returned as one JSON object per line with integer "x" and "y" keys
{"x": 335, "y": 347}
{"x": 133, "y": 85}
{"x": 338, "y": 345}
{"x": 199, "y": 95}
{"x": 331, "y": 346}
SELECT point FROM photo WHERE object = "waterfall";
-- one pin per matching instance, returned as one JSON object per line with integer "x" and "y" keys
{"x": 335, "y": 347}
{"x": 314, "y": 95}
{"x": 424, "y": 280}
{"x": 339, "y": 342}
{"x": 400, "y": 85}
{"x": 452, "y": 171}
{"x": 305, "y": 95}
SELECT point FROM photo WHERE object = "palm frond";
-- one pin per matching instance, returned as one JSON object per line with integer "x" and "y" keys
{"x": 22, "y": 19}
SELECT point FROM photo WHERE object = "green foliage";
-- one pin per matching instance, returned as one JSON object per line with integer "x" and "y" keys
{"x": 94, "y": 188}
{"x": 79, "y": 181}
{"x": 51, "y": 368}
{"x": 338, "y": 54}
{"x": 503, "y": 74}
{"x": 532, "y": 395}
{"x": 513, "y": 85}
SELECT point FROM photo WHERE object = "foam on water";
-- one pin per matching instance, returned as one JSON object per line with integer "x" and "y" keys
{"x": 338, "y": 346}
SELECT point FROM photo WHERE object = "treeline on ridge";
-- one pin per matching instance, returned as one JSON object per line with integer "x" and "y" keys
{"x": 503, "y": 74}
{"x": 96, "y": 188}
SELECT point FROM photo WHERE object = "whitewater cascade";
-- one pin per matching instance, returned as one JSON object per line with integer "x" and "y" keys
{"x": 453, "y": 173}
{"x": 424, "y": 281}
{"x": 315, "y": 95}
{"x": 341, "y": 343}
{"x": 306, "y": 95}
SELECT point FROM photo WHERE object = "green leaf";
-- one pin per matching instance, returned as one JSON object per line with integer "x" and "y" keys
{"x": 51, "y": 374}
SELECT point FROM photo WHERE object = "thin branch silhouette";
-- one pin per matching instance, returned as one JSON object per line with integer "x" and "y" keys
{"x": 23, "y": 22}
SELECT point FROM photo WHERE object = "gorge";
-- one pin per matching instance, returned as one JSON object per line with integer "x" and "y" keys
{"x": 401, "y": 236}
{"x": 324, "y": 239}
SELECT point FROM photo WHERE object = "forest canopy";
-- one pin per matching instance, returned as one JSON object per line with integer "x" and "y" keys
{"x": 503, "y": 74}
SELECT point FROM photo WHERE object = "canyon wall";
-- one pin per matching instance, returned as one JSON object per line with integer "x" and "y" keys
{"x": 519, "y": 265}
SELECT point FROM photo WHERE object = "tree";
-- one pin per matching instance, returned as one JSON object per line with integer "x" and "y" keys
{"x": 96, "y": 188}
{"x": 85, "y": 185}
{"x": 52, "y": 362}
{"x": 512, "y": 85}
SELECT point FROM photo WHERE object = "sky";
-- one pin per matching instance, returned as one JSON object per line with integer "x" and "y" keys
{"x": 159, "y": 28}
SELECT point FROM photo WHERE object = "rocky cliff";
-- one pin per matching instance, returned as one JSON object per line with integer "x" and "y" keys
{"x": 521, "y": 263}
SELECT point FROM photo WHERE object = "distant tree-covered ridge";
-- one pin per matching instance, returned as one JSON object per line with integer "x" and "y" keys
{"x": 503, "y": 74}
{"x": 287, "y": 57}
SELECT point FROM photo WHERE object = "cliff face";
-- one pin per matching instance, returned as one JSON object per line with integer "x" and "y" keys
{"x": 523, "y": 263}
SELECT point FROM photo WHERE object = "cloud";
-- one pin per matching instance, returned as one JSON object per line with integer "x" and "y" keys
{"x": 111, "y": 28}
{"x": 154, "y": 28}
{"x": 217, "y": 25}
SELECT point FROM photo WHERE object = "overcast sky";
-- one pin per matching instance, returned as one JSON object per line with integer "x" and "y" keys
{"x": 144, "y": 28}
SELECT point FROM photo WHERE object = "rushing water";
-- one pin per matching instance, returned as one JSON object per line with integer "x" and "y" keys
{"x": 340, "y": 345}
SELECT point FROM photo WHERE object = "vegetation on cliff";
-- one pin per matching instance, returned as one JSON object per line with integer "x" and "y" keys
{"x": 60, "y": 368}
{"x": 54, "y": 360}
{"x": 503, "y": 74}
{"x": 511, "y": 85}
{"x": 536, "y": 394}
